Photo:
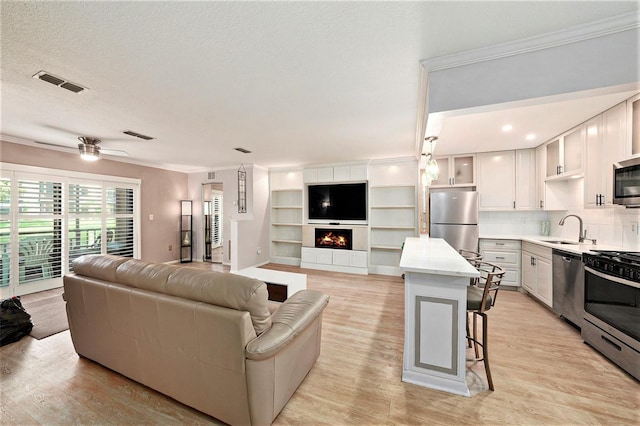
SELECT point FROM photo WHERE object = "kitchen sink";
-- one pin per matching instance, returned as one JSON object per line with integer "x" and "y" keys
{"x": 560, "y": 242}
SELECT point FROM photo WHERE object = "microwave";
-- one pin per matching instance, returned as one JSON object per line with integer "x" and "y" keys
{"x": 626, "y": 183}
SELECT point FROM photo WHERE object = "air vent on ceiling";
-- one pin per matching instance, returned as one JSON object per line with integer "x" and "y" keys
{"x": 242, "y": 150}
{"x": 211, "y": 176}
{"x": 60, "y": 82}
{"x": 137, "y": 135}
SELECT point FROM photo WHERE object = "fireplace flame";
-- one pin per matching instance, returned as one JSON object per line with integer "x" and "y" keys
{"x": 332, "y": 240}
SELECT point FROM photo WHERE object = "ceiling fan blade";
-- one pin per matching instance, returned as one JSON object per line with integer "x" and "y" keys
{"x": 56, "y": 145}
{"x": 116, "y": 152}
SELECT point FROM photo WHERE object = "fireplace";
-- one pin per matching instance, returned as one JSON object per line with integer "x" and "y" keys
{"x": 334, "y": 238}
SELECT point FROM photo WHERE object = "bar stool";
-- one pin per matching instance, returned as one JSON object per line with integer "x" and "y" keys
{"x": 473, "y": 257}
{"x": 470, "y": 255}
{"x": 481, "y": 298}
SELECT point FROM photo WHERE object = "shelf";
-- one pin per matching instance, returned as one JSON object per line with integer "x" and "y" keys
{"x": 394, "y": 207}
{"x": 286, "y": 207}
{"x": 286, "y": 224}
{"x": 288, "y": 241}
{"x": 392, "y": 186}
{"x": 392, "y": 227}
{"x": 394, "y": 248}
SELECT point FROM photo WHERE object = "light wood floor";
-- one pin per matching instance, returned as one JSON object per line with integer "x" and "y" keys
{"x": 543, "y": 373}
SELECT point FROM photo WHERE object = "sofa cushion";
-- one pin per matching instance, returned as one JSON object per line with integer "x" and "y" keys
{"x": 216, "y": 288}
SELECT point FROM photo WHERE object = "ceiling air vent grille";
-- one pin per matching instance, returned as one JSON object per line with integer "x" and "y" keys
{"x": 60, "y": 82}
{"x": 242, "y": 150}
{"x": 137, "y": 135}
{"x": 211, "y": 176}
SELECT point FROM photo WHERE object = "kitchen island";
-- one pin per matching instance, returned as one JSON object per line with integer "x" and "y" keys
{"x": 436, "y": 280}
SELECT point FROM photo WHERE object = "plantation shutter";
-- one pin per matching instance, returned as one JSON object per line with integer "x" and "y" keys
{"x": 216, "y": 229}
{"x": 85, "y": 220}
{"x": 120, "y": 221}
{"x": 39, "y": 230}
{"x": 5, "y": 230}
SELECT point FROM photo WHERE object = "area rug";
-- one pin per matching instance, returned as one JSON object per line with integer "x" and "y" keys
{"x": 48, "y": 312}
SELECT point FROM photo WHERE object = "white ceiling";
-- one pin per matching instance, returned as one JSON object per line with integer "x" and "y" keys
{"x": 293, "y": 82}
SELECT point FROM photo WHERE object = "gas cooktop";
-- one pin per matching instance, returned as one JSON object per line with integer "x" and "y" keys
{"x": 620, "y": 256}
{"x": 623, "y": 264}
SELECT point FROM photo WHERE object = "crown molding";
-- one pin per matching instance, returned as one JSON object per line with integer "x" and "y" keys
{"x": 604, "y": 27}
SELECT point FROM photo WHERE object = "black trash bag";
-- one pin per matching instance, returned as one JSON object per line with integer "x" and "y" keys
{"x": 15, "y": 322}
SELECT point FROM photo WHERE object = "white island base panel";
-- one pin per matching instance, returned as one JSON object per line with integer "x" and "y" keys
{"x": 435, "y": 330}
{"x": 435, "y": 309}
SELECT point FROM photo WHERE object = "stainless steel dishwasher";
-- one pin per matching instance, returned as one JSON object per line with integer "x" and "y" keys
{"x": 568, "y": 286}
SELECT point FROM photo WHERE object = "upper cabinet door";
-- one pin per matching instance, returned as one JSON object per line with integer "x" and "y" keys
{"x": 496, "y": 180}
{"x": 463, "y": 170}
{"x": 633, "y": 117}
{"x": 455, "y": 170}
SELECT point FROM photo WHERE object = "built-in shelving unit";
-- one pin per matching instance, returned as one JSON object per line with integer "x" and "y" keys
{"x": 392, "y": 218}
{"x": 286, "y": 225}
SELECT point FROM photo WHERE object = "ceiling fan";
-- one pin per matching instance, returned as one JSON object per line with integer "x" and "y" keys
{"x": 89, "y": 148}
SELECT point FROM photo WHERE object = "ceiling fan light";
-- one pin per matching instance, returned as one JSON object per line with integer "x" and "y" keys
{"x": 89, "y": 152}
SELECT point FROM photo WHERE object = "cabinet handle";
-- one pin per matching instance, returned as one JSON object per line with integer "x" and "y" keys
{"x": 500, "y": 257}
{"x": 514, "y": 204}
{"x": 499, "y": 244}
{"x": 541, "y": 204}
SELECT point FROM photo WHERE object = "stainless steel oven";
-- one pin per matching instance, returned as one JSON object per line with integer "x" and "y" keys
{"x": 612, "y": 306}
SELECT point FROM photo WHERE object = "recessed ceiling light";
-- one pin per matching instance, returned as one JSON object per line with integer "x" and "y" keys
{"x": 507, "y": 128}
{"x": 530, "y": 137}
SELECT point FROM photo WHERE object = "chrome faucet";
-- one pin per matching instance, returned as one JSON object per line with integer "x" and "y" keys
{"x": 582, "y": 232}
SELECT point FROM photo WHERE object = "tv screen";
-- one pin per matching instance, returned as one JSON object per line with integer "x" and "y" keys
{"x": 344, "y": 201}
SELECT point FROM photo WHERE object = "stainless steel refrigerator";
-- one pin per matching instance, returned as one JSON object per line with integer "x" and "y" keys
{"x": 453, "y": 215}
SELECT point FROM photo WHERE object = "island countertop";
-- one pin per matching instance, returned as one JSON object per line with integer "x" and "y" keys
{"x": 434, "y": 256}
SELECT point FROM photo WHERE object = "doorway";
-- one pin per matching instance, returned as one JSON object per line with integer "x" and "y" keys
{"x": 212, "y": 206}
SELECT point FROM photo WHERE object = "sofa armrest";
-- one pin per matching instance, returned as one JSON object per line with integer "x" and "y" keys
{"x": 295, "y": 314}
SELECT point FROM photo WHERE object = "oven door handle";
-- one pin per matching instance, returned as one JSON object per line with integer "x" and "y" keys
{"x": 611, "y": 278}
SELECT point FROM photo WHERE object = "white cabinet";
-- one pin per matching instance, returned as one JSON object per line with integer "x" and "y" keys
{"x": 633, "y": 128}
{"x": 537, "y": 274}
{"x": 455, "y": 170}
{"x": 506, "y": 180}
{"x": 564, "y": 154}
{"x": 541, "y": 165}
{"x": 506, "y": 254}
{"x": 392, "y": 219}
{"x": 344, "y": 173}
{"x": 496, "y": 173}
{"x": 526, "y": 179}
{"x": 605, "y": 144}
{"x": 349, "y": 261}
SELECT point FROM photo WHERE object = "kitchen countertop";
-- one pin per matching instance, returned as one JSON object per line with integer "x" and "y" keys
{"x": 547, "y": 241}
{"x": 434, "y": 256}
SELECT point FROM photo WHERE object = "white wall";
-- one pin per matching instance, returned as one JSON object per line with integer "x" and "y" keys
{"x": 252, "y": 247}
{"x": 253, "y": 225}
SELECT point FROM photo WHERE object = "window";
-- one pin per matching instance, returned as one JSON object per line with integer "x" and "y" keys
{"x": 48, "y": 220}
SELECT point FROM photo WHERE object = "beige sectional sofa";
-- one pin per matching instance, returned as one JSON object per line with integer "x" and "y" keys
{"x": 210, "y": 340}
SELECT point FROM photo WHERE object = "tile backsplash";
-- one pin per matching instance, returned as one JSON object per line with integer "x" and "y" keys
{"x": 610, "y": 226}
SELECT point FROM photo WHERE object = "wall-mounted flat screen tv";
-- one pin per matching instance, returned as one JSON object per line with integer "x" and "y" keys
{"x": 338, "y": 202}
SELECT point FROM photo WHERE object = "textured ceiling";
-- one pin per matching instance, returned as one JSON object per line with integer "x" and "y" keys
{"x": 293, "y": 82}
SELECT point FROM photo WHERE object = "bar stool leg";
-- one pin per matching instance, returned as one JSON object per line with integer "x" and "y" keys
{"x": 485, "y": 350}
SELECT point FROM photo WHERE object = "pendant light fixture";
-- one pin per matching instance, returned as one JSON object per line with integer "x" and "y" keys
{"x": 431, "y": 170}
